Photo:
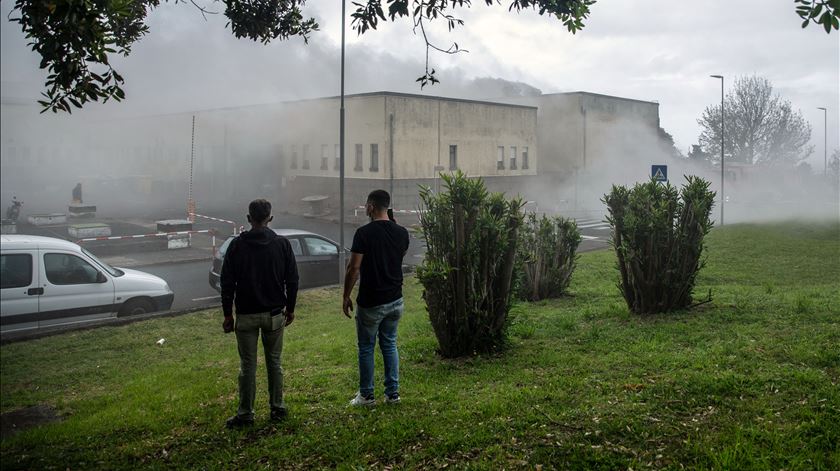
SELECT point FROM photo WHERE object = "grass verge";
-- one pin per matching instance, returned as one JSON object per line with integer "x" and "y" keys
{"x": 748, "y": 381}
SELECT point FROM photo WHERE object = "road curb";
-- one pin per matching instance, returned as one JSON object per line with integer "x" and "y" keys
{"x": 110, "y": 322}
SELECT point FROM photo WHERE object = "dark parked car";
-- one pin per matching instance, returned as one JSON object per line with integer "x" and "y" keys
{"x": 317, "y": 258}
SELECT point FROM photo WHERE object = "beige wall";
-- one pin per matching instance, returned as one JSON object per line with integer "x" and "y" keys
{"x": 423, "y": 131}
{"x": 585, "y": 130}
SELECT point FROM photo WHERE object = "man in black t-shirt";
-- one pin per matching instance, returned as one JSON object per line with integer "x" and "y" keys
{"x": 377, "y": 254}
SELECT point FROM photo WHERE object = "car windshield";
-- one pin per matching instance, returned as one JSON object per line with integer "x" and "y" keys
{"x": 113, "y": 271}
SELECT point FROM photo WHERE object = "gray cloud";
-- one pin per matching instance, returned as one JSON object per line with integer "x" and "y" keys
{"x": 653, "y": 50}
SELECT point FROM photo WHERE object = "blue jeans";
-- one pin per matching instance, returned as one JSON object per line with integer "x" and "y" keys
{"x": 379, "y": 320}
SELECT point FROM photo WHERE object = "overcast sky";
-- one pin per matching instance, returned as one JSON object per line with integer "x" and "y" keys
{"x": 658, "y": 50}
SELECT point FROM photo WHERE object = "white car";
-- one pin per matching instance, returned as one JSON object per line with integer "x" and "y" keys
{"x": 47, "y": 282}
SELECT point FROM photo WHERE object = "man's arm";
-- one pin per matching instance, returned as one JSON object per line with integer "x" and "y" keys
{"x": 292, "y": 281}
{"x": 227, "y": 282}
{"x": 350, "y": 280}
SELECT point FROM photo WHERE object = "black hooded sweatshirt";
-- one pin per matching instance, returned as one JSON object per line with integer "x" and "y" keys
{"x": 260, "y": 273}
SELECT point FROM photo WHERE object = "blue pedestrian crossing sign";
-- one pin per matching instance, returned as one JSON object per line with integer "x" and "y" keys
{"x": 659, "y": 172}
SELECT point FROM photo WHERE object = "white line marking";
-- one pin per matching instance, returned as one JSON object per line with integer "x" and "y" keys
{"x": 584, "y": 226}
{"x": 586, "y": 237}
{"x": 207, "y": 298}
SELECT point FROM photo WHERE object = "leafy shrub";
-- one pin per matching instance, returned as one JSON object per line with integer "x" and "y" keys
{"x": 547, "y": 247}
{"x": 657, "y": 233}
{"x": 471, "y": 239}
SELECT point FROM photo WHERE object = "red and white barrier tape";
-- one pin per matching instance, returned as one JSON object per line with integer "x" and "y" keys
{"x": 141, "y": 236}
{"x": 236, "y": 229}
{"x": 395, "y": 211}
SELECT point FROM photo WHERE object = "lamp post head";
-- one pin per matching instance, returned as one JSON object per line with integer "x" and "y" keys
{"x": 717, "y": 76}
{"x": 821, "y": 108}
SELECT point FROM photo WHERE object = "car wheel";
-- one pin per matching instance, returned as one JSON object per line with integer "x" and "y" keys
{"x": 135, "y": 307}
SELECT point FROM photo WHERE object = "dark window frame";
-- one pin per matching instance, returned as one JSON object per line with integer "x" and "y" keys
{"x": 525, "y": 158}
{"x": 15, "y": 283}
{"x": 324, "y": 159}
{"x": 58, "y": 282}
{"x": 453, "y": 156}
{"x": 500, "y": 162}
{"x": 360, "y": 157}
{"x": 374, "y": 157}
{"x": 305, "y": 158}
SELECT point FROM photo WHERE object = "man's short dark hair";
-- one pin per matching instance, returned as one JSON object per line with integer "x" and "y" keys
{"x": 380, "y": 199}
{"x": 259, "y": 210}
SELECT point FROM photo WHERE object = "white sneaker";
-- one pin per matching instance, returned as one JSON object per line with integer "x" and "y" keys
{"x": 360, "y": 400}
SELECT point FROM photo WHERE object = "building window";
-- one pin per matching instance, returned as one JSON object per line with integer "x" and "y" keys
{"x": 453, "y": 157}
{"x": 500, "y": 158}
{"x": 324, "y": 158}
{"x": 305, "y": 165}
{"x": 359, "y": 157}
{"x": 524, "y": 158}
{"x": 294, "y": 157}
{"x": 337, "y": 157}
{"x": 513, "y": 157}
{"x": 374, "y": 157}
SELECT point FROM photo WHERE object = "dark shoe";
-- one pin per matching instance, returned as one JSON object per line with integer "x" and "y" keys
{"x": 238, "y": 422}
{"x": 392, "y": 399}
{"x": 279, "y": 415}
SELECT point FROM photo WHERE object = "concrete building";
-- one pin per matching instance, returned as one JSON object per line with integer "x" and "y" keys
{"x": 398, "y": 141}
{"x": 543, "y": 148}
{"x": 588, "y": 141}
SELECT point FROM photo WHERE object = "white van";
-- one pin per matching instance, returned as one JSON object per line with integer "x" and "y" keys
{"x": 46, "y": 282}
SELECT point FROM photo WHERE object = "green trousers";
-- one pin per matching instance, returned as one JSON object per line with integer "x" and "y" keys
{"x": 248, "y": 329}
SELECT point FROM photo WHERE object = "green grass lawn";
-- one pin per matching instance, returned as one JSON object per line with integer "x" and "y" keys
{"x": 748, "y": 381}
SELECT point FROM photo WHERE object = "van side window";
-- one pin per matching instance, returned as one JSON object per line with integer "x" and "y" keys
{"x": 15, "y": 270}
{"x": 68, "y": 269}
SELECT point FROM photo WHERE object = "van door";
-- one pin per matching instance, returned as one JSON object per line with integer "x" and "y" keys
{"x": 19, "y": 290}
{"x": 74, "y": 290}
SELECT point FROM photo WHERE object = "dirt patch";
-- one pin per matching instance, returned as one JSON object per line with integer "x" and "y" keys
{"x": 28, "y": 417}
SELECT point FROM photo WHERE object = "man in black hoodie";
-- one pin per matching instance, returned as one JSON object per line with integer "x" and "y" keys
{"x": 260, "y": 275}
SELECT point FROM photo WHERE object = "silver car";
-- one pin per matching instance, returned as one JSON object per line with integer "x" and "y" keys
{"x": 316, "y": 255}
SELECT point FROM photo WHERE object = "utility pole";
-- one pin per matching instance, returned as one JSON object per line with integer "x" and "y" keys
{"x": 825, "y": 140}
{"x": 722, "y": 199}
{"x": 341, "y": 254}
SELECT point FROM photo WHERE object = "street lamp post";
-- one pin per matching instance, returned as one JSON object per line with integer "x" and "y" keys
{"x": 825, "y": 140}
{"x": 721, "y": 146}
{"x": 341, "y": 254}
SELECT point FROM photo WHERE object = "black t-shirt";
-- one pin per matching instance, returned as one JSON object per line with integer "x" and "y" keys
{"x": 383, "y": 245}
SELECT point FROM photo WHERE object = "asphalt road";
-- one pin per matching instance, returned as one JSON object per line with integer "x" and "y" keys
{"x": 189, "y": 283}
{"x": 189, "y": 280}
